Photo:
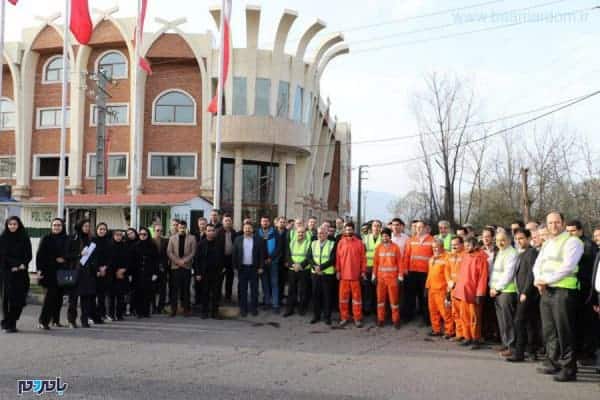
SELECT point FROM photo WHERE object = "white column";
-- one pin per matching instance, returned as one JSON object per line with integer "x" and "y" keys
{"x": 237, "y": 189}
{"x": 281, "y": 201}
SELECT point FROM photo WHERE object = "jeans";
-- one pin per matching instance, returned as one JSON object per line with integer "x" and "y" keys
{"x": 265, "y": 284}
{"x": 274, "y": 276}
{"x": 180, "y": 288}
{"x": 248, "y": 277}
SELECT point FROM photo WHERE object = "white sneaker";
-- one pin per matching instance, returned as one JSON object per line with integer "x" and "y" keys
{"x": 109, "y": 319}
{"x": 90, "y": 321}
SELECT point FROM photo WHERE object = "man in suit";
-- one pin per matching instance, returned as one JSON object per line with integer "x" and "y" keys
{"x": 595, "y": 294}
{"x": 528, "y": 302}
{"x": 181, "y": 250}
{"x": 225, "y": 239}
{"x": 248, "y": 258}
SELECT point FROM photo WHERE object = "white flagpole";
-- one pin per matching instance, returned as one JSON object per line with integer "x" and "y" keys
{"x": 63, "y": 127}
{"x": 136, "y": 117}
{"x": 2, "y": 20}
{"x": 220, "y": 87}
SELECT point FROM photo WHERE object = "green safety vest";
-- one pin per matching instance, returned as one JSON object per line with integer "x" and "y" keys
{"x": 552, "y": 258}
{"x": 500, "y": 267}
{"x": 322, "y": 254}
{"x": 447, "y": 241}
{"x": 370, "y": 245}
{"x": 299, "y": 251}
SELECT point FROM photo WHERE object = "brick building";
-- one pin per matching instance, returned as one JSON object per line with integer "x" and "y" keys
{"x": 283, "y": 152}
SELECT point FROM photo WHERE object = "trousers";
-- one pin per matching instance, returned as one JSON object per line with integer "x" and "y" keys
{"x": 506, "y": 304}
{"x": 322, "y": 290}
{"x": 387, "y": 289}
{"x": 438, "y": 312}
{"x": 350, "y": 290}
{"x": 558, "y": 309}
{"x": 471, "y": 320}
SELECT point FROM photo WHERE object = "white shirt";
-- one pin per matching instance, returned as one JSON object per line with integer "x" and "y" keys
{"x": 573, "y": 251}
{"x": 510, "y": 266}
{"x": 597, "y": 284}
{"x": 248, "y": 245}
{"x": 400, "y": 241}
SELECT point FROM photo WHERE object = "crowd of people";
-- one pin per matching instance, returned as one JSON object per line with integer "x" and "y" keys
{"x": 534, "y": 288}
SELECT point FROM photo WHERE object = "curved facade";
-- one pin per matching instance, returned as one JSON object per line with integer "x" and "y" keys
{"x": 283, "y": 153}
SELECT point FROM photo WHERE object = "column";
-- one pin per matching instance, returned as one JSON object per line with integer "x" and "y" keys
{"x": 237, "y": 189}
{"x": 281, "y": 199}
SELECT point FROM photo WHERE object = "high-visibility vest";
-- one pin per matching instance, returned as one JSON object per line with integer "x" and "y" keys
{"x": 447, "y": 240}
{"x": 370, "y": 245}
{"x": 322, "y": 254}
{"x": 500, "y": 267}
{"x": 553, "y": 254}
{"x": 299, "y": 251}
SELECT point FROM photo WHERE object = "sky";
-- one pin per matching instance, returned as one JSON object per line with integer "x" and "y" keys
{"x": 543, "y": 61}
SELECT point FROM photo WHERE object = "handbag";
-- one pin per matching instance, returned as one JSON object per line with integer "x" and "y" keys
{"x": 67, "y": 278}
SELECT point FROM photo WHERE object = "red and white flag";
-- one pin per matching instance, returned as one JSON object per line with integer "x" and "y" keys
{"x": 81, "y": 21}
{"x": 225, "y": 52}
{"x": 13, "y": 2}
{"x": 144, "y": 64}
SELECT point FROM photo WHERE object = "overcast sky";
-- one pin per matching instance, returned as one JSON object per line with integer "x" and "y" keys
{"x": 544, "y": 61}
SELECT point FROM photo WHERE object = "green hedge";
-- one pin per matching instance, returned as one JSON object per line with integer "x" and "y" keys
{"x": 37, "y": 232}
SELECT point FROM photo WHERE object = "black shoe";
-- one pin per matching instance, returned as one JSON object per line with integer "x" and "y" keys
{"x": 73, "y": 325}
{"x": 397, "y": 325}
{"x": 302, "y": 313}
{"x": 380, "y": 324}
{"x": 276, "y": 311}
{"x": 328, "y": 322}
{"x": 564, "y": 376}
{"x": 548, "y": 370}
{"x": 86, "y": 325}
{"x": 314, "y": 320}
{"x": 288, "y": 313}
{"x": 254, "y": 313}
{"x": 11, "y": 330}
{"x": 45, "y": 327}
{"x": 204, "y": 316}
{"x": 515, "y": 358}
{"x": 120, "y": 319}
{"x": 476, "y": 345}
{"x": 466, "y": 343}
{"x": 434, "y": 334}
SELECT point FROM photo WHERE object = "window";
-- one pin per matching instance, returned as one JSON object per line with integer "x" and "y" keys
{"x": 239, "y": 96}
{"x": 7, "y": 114}
{"x": 116, "y": 114}
{"x": 174, "y": 107}
{"x": 114, "y": 65}
{"x": 263, "y": 94}
{"x": 53, "y": 70}
{"x": 47, "y": 166}
{"x": 283, "y": 99}
{"x": 172, "y": 166}
{"x": 50, "y": 118}
{"x": 8, "y": 167}
{"x": 259, "y": 189}
{"x": 308, "y": 110}
{"x": 298, "y": 106}
{"x": 117, "y": 166}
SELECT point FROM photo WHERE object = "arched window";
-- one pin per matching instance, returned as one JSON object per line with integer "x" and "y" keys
{"x": 114, "y": 65}
{"x": 174, "y": 107}
{"x": 53, "y": 70}
{"x": 7, "y": 114}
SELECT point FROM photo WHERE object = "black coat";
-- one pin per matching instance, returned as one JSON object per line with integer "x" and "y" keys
{"x": 86, "y": 281}
{"x": 259, "y": 251}
{"x": 221, "y": 239}
{"x": 120, "y": 259}
{"x": 145, "y": 264}
{"x": 15, "y": 250}
{"x": 50, "y": 248}
{"x": 102, "y": 258}
{"x": 586, "y": 266}
{"x": 208, "y": 260}
{"x": 524, "y": 273}
{"x": 595, "y": 295}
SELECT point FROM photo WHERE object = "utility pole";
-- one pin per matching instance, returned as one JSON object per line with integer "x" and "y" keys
{"x": 361, "y": 178}
{"x": 525, "y": 201}
{"x": 101, "y": 96}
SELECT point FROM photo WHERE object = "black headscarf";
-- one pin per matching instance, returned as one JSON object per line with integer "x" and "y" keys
{"x": 19, "y": 235}
{"x": 103, "y": 244}
{"x": 15, "y": 247}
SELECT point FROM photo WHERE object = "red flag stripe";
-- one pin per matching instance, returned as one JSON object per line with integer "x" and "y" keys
{"x": 13, "y": 2}
{"x": 81, "y": 21}
{"x": 144, "y": 64}
{"x": 226, "y": 53}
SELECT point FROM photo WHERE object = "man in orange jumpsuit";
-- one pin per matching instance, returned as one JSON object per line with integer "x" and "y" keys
{"x": 416, "y": 264}
{"x": 470, "y": 289}
{"x": 437, "y": 290}
{"x": 351, "y": 266}
{"x": 452, "y": 269}
{"x": 387, "y": 262}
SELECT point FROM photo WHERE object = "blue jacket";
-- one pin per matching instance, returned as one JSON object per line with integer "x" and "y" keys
{"x": 270, "y": 239}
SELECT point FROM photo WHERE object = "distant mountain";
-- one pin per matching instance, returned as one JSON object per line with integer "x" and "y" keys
{"x": 377, "y": 205}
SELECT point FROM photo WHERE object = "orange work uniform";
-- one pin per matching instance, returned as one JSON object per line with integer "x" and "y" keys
{"x": 437, "y": 287}
{"x": 350, "y": 264}
{"x": 452, "y": 269}
{"x": 387, "y": 262}
{"x": 471, "y": 284}
{"x": 417, "y": 254}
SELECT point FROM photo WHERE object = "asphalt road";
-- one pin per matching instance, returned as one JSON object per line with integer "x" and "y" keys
{"x": 266, "y": 357}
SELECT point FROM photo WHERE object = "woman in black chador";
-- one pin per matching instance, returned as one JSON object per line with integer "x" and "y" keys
{"x": 15, "y": 256}
{"x": 119, "y": 264}
{"x": 51, "y": 256}
{"x": 82, "y": 256}
{"x": 104, "y": 276}
{"x": 144, "y": 272}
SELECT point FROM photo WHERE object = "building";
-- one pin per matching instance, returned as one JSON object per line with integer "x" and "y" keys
{"x": 283, "y": 151}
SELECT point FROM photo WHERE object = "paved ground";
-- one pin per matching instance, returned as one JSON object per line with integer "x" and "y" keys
{"x": 266, "y": 357}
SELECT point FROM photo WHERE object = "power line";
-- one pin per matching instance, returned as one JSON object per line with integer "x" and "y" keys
{"x": 482, "y": 123}
{"x": 499, "y": 132}
{"x": 465, "y": 33}
{"x": 438, "y": 27}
